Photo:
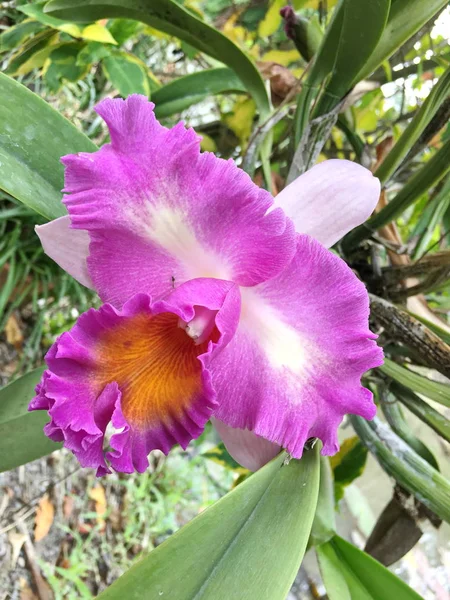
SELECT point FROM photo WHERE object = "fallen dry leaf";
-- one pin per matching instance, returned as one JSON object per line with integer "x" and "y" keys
{"x": 67, "y": 506}
{"x": 26, "y": 593}
{"x": 16, "y": 540}
{"x": 45, "y": 514}
{"x": 13, "y": 332}
{"x": 97, "y": 494}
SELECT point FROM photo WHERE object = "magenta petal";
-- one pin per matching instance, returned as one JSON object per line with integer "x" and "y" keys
{"x": 293, "y": 369}
{"x": 139, "y": 371}
{"x": 160, "y": 213}
{"x": 248, "y": 449}
{"x": 330, "y": 199}
{"x": 68, "y": 247}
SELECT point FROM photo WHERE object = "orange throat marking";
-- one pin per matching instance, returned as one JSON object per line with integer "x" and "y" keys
{"x": 155, "y": 364}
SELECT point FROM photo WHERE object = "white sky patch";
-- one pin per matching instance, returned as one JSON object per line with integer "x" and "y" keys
{"x": 281, "y": 343}
{"x": 169, "y": 228}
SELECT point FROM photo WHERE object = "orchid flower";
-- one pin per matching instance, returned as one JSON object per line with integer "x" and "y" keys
{"x": 220, "y": 302}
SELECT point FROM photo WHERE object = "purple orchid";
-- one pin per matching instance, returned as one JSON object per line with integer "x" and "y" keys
{"x": 215, "y": 307}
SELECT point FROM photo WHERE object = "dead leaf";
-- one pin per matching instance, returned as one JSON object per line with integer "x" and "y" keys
{"x": 67, "y": 506}
{"x": 97, "y": 494}
{"x": 45, "y": 514}
{"x": 282, "y": 81}
{"x": 16, "y": 540}
{"x": 13, "y": 332}
{"x": 26, "y": 593}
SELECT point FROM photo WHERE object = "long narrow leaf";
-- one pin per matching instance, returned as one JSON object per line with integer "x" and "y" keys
{"x": 406, "y": 17}
{"x": 432, "y": 172}
{"x": 418, "y": 123}
{"x": 351, "y": 574}
{"x": 172, "y": 18}
{"x": 439, "y": 392}
{"x": 426, "y": 413}
{"x": 183, "y": 92}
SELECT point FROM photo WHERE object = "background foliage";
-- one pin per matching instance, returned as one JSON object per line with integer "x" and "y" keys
{"x": 364, "y": 80}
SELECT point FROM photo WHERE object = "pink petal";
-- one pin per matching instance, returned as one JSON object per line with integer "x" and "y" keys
{"x": 68, "y": 247}
{"x": 136, "y": 370}
{"x": 248, "y": 449}
{"x": 160, "y": 213}
{"x": 330, "y": 199}
{"x": 293, "y": 369}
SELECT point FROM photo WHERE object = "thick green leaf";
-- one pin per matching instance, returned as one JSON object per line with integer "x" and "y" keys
{"x": 409, "y": 469}
{"x": 183, "y": 92}
{"x": 350, "y": 573}
{"x": 27, "y": 126}
{"x": 21, "y": 437}
{"x": 412, "y": 133}
{"x": 363, "y": 23}
{"x": 405, "y": 18}
{"x": 424, "y": 179}
{"x": 439, "y": 392}
{"x": 423, "y": 410}
{"x": 248, "y": 545}
{"x": 174, "y": 19}
{"x": 127, "y": 73}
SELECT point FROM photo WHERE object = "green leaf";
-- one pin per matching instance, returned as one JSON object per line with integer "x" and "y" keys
{"x": 174, "y": 19}
{"x": 324, "y": 525}
{"x": 434, "y": 390}
{"x": 348, "y": 464}
{"x": 21, "y": 437}
{"x": 27, "y": 124}
{"x": 183, "y": 92}
{"x": 14, "y": 36}
{"x": 221, "y": 456}
{"x": 127, "y": 73}
{"x": 92, "y": 52}
{"x": 33, "y": 54}
{"x": 94, "y": 32}
{"x": 405, "y": 18}
{"x": 424, "y": 179}
{"x": 64, "y": 65}
{"x": 409, "y": 469}
{"x": 351, "y": 574}
{"x": 363, "y": 23}
{"x": 426, "y": 413}
{"x": 248, "y": 545}
{"x": 412, "y": 133}
{"x": 430, "y": 219}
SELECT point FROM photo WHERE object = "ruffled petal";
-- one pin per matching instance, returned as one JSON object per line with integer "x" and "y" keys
{"x": 160, "y": 213}
{"x": 330, "y": 199}
{"x": 293, "y": 369}
{"x": 247, "y": 448}
{"x": 139, "y": 371}
{"x": 68, "y": 247}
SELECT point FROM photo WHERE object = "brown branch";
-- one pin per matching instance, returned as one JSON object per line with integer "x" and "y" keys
{"x": 404, "y": 328}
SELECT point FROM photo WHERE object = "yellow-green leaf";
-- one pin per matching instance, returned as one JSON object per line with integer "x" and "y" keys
{"x": 272, "y": 20}
{"x": 97, "y": 33}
